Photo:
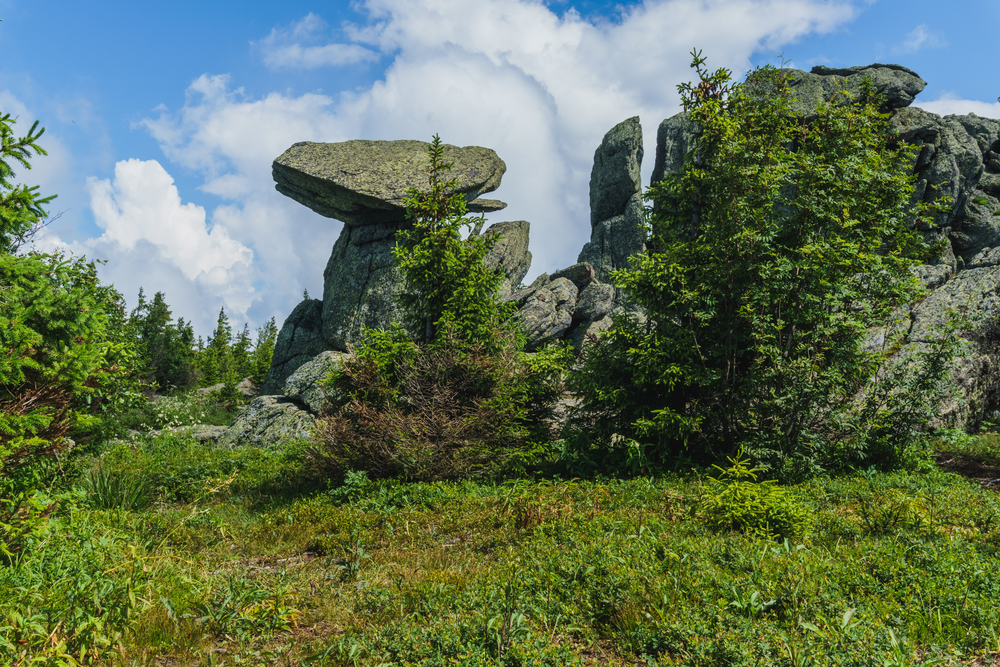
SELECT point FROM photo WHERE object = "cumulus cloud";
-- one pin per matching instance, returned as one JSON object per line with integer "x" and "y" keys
{"x": 155, "y": 239}
{"x": 289, "y": 47}
{"x": 952, "y": 104}
{"x": 918, "y": 38}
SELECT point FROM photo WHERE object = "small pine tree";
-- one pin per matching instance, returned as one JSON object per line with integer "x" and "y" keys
{"x": 267, "y": 336}
{"x": 450, "y": 287}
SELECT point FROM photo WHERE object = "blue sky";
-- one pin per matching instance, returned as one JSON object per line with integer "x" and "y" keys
{"x": 163, "y": 118}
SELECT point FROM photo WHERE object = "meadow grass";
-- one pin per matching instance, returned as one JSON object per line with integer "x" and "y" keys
{"x": 236, "y": 557}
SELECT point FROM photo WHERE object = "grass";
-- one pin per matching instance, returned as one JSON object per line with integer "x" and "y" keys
{"x": 236, "y": 559}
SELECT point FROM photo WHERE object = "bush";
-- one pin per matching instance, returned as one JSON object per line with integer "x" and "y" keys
{"x": 463, "y": 400}
{"x": 437, "y": 412}
{"x": 63, "y": 367}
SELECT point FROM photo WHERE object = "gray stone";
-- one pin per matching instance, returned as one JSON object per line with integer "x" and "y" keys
{"x": 510, "y": 254}
{"x": 300, "y": 339}
{"x": 201, "y": 432}
{"x": 269, "y": 421}
{"x": 214, "y": 389}
{"x": 933, "y": 276}
{"x": 674, "y": 138}
{"x": 548, "y": 312}
{"x": 366, "y": 182}
{"x": 361, "y": 285}
{"x": 580, "y": 274}
{"x": 985, "y": 257}
{"x": 615, "y": 176}
{"x": 594, "y": 302}
{"x": 305, "y": 385}
{"x": 898, "y": 84}
{"x": 614, "y": 240}
{"x": 248, "y": 387}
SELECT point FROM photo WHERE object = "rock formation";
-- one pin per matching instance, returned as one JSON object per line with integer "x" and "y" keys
{"x": 364, "y": 183}
{"x": 616, "y": 209}
{"x": 959, "y": 158}
{"x": 300, "y": 339}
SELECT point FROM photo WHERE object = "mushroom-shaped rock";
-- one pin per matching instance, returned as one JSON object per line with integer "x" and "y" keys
{"x": 365, "y": 182}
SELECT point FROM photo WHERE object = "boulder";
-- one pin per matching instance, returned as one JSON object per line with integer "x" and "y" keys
{"x": 269, "y": 421}
{"x": 615, "y": 176}
{"x": 361, "y": 285}
{"x": 580, "y": 274}
{"x": 247, "y": 387}
{"x": 305, "y": 384}
{"x": 201, "y": 432}
{"x": 510, "y": 254}
{"x": 300, "y": 339}
{"x": 547, "y": 312}
{"x": 366, "y": 182}
{"x": 594, "y": 302}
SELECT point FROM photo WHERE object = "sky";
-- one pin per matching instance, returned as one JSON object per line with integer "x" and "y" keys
{"x": 162, "y": 119}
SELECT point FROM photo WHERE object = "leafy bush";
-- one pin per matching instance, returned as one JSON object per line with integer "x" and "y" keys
{"x": 737, "y": 501}
{"x": 773, "y": 254}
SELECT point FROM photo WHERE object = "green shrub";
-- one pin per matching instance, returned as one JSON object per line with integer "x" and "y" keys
{"x": 438, "y": 411}
{"x": 737, "y": 501}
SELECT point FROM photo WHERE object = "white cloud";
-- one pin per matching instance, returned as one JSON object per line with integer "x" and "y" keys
{"x": 154, "y": 240}
{"x": 143, "y": 204}
{"x": 952, "y": 104}
{"x": 284, "y": 48}
{"x": 918, "y": 38}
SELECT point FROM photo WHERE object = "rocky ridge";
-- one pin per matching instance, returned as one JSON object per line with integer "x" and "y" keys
{"x": 959, "y": 158}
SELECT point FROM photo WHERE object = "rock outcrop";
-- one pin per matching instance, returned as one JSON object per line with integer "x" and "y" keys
{"x": 363, "y": 183}
{"x": 959, "y": 158}
{"x": 510, "y": 255}
{"x": 616, "y": 209}
{"x": 300, "y": 339}
{"x": 267, "y": 421}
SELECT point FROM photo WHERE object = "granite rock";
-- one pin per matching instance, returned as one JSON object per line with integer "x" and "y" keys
{"x": 366, "y": 182}
{"x": 268, "y": 422}
{"x": 615, "y": 176}
{"x": 305, "y": 385}
{"x": 510, "y": 254}
{"x": 300, "y": 339}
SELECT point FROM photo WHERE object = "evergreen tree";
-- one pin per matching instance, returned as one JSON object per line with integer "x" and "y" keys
{"x": 166, "y": 347}
{"x": 450, "y": 287}
{"x": 267, "y": 336}
{"x": 22, "y": 208}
